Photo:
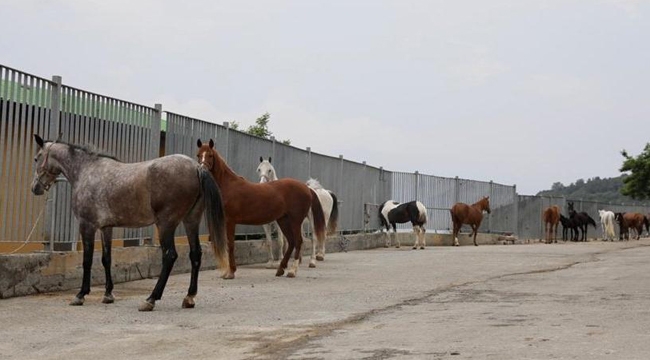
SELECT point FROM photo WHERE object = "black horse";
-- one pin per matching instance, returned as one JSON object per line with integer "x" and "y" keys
{"x": 581, "y": 220}
{"x": 567, "y": 224}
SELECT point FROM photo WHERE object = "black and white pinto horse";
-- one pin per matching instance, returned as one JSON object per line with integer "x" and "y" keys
{"x": 391, "y": 213}
{"x": 328, "y": 201}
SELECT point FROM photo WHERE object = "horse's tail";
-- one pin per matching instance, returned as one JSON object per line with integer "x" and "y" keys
{"x": 381, "y": 216}
{"x": 215, "y": 217}
{"x": 333, "y": 222}
{"x": 319, "y": 217}
{"x": 609, "y": 228}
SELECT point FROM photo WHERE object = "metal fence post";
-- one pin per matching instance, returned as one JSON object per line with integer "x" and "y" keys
{"x": 417, "y": 180}
{"x": 273, "y": 146}
{"x": 456, "y": 189}
{"x": 515, "y": 210}
{"x": 55, "y": 128}
{"x": 227, "y": 126}
{"x": 491, "y": 198}
{"x": 340, "y": 189}
{"x": 155, "y": 131}
{"x": 308, "y": 162}
{"x": 55, "y": 103}
{"x": 361, "y": 193}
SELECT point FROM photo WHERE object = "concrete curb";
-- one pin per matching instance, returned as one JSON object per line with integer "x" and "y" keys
{"x": 26, "y": 274}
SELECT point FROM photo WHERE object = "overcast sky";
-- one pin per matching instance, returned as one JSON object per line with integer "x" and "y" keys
{"x": 518, "y": 92}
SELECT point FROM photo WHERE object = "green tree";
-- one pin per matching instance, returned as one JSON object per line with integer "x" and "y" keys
{"x": 637, "y": 184}
{"x": 234, "y": 125}
{"x": 261, "y": 128}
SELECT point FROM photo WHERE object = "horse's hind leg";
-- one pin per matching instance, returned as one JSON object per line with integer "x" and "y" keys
{"x": 284, "y": 225}
{"x": 298, "y": 240}
{"x": 192, "y": 231}
{"x": 107, "y": 237}
{"x": 88, "y": 239}
{"x": 169, "y": 256}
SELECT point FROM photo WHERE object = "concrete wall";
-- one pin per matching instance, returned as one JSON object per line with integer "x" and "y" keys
{"x": 25, "y": 274}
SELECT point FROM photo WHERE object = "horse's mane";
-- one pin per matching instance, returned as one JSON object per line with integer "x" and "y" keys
{"x": 86, "y": 149}
{"x": 314, "y": 184}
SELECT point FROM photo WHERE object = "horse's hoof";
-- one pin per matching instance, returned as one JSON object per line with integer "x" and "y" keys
{"x": 396, "y": 246}
{"x": 456, "y": 244}
{"x": 312, "y": 265}
{"x": 228, "y": 276}
{"x": 320, "y": 257}
{"x": 291, "y": 274}
{"x": 77, "y": 301}
{"x": 386, "y": 246}
{"x": 108, "y": 299}
{"x": 188, "y": 302}
{"x": 415, "y": 248}
{"x": 280, "y": 272}
{"x": 146, "y": 306}
{"x": 421, "y": 247}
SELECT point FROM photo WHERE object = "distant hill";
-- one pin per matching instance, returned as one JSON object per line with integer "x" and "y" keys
{"x": 596, "y": 189}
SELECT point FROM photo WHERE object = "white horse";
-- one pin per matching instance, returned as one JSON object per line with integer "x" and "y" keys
{"x": 328, "y": 201}
{"x": 607, "y": 223}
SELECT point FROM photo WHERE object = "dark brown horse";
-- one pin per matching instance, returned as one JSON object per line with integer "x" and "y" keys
{"x": 107, "y": 193}
{"x": 462, "y": 213}
{"x": 286, "y": 201}
{"x": 551, "y": 217}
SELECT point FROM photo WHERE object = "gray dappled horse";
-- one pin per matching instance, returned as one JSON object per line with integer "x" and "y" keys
{"x": 107, "y": 193}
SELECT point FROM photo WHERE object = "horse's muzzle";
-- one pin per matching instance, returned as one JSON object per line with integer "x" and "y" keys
{"x": 37, "y": 188}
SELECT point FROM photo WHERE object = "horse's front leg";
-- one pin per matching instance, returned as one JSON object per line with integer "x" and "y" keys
{"x": 87, "y": 232}
{"x": 107, "y": 238}
{"x": 269, "y": 242}
{"x": 475, "y": 231}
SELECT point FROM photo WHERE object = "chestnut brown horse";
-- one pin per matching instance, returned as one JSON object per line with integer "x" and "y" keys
{"x": 630, "y": 220}
{"x": 471, "y": 215}
{"x": 286, "y": 201}
{"x": 551, "y": 217}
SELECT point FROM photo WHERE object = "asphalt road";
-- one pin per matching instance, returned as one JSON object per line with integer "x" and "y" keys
{"x": 561, "y": 301}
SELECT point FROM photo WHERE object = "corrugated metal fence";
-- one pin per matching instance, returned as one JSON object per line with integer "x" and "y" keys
{"x": 132, "y": 132}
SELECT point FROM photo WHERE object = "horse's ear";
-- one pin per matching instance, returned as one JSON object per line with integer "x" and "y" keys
{"x": 211, "y": 143}
{"x": 269, "y": 159}
{"x": 261, "y": 159}
{"x": 39, "y": 141}
{"x": 199, "y": 143}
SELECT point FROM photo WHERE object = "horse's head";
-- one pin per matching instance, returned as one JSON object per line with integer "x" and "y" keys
{"x": 47, "y": 168}
{"x": 206, "y": 155}
{"x": 485, "y": 204}
{"x": 570, "y": 206}
{"x": 619, "y": 217}
{"x": 266, "y": 171}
